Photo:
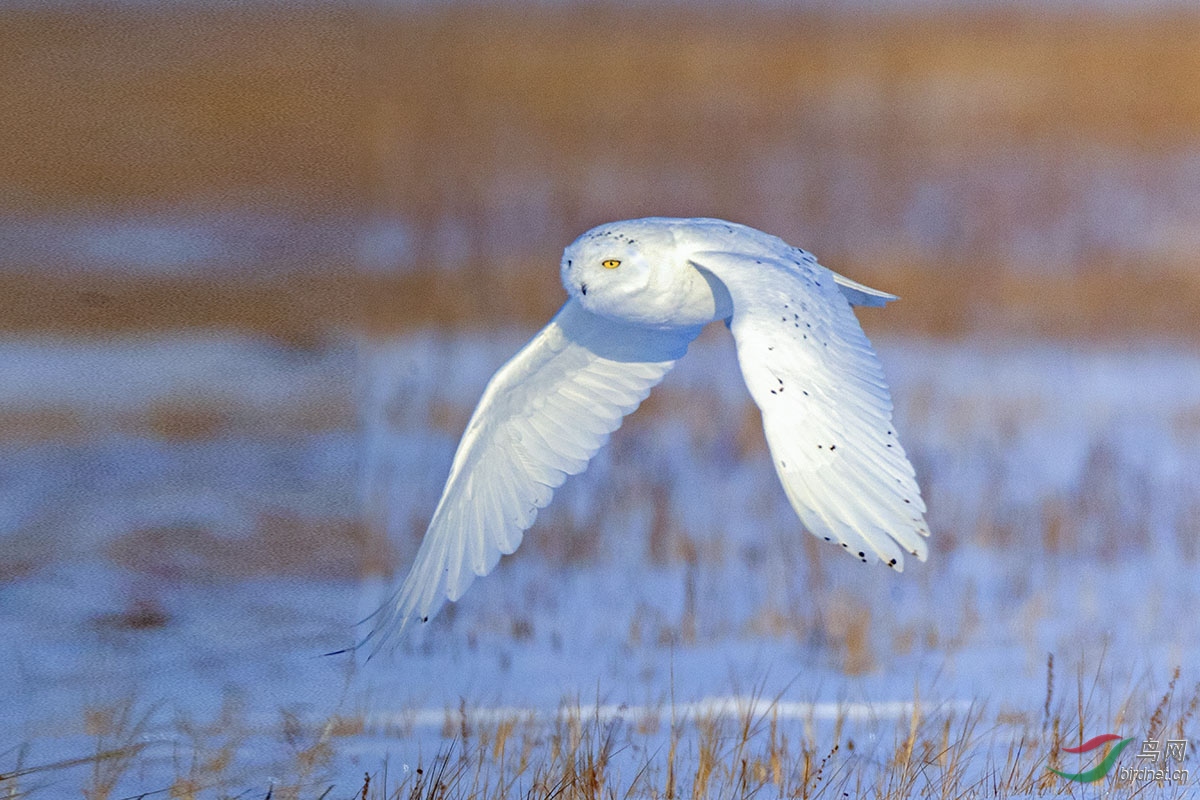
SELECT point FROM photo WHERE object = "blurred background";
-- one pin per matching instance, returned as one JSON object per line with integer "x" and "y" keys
{"x": 287, "y": 170}
{"x": 257, "y": 260}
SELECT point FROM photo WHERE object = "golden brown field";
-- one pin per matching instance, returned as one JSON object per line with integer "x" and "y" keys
{"x": 519, "y": 130}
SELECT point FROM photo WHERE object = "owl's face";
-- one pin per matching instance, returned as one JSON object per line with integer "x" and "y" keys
{"x": 638, "y": 271}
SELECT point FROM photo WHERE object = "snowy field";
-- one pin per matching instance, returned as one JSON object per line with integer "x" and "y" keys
{"x": 187, "y": 523}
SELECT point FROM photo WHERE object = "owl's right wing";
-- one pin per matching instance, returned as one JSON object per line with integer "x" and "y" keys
{"x": 826, "y": 409}
{"x": 543, "y": 416}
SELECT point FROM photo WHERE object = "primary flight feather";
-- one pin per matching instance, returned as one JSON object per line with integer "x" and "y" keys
{"x": 640, "y": 291}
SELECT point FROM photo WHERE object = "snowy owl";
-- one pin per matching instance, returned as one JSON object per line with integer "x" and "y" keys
{"x": 640, "y": 291}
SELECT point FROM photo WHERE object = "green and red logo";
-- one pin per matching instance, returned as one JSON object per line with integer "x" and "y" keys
{"x": 1104, "y": 767}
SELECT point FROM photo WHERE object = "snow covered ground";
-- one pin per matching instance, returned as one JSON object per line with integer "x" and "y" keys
{"x": 187, "y": 523}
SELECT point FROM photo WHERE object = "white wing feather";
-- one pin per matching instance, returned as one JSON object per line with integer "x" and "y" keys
{"x": 542, "y": 417}
{"x": 825, "y": 405}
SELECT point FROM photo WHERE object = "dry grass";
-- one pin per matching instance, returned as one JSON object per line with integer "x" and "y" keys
{"x": 299, "y": 310}
{"x": 930, "y": 752}
{"x": 276, "y": 543}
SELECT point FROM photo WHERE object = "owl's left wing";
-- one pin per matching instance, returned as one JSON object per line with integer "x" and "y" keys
{"x": 826, "y": 411}
{"x": 542, "y": 417}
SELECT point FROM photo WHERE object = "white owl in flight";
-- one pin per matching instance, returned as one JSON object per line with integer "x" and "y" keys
{"x": 640, "y": 291}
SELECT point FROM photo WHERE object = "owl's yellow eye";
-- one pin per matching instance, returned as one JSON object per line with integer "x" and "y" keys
{"x": 610, "y": 263}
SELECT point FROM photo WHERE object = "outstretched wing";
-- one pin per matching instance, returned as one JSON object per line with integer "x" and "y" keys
{"x": 826, "y": 410}
{"x": 543, "y": 416}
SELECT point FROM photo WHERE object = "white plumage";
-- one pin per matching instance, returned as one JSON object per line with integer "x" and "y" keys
{"x": 640, "y": 291}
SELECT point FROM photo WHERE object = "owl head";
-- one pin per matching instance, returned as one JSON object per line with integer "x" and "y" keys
{"x": 640, "y": 271}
